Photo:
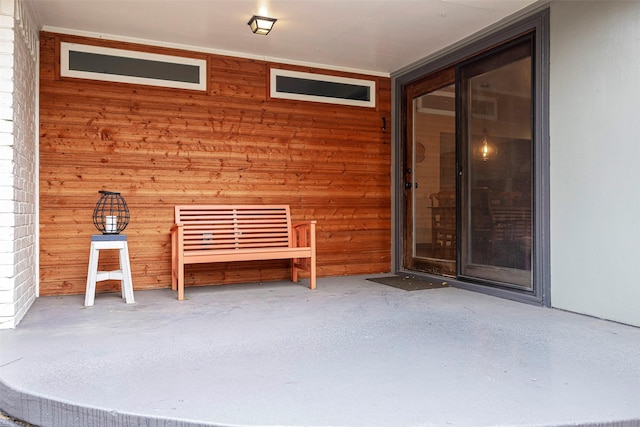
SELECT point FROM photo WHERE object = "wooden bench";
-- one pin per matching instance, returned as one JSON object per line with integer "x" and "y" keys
{"x": 225, "y": 233}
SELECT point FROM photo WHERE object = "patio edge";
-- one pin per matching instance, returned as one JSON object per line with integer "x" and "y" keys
{"x": 46, "y": 412}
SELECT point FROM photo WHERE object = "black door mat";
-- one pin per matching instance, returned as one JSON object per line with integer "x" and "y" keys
{"x": 409, "y": 283}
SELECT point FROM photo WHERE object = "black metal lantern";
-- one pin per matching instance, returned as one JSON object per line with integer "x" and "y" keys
{"x": 111, "y": 215}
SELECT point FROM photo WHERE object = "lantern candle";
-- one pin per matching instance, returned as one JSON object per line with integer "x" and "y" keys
{"x": 111, "y": 224}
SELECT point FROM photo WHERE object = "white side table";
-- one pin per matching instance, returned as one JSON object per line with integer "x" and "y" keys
{"x": 109, "y": 241}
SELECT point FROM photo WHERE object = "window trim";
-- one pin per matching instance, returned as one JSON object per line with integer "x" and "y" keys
{"x": 65, "y": 71}
{"x": 274, "y": 93}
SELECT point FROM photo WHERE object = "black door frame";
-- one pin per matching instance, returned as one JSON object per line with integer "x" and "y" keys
{"x": 537, "y": 22}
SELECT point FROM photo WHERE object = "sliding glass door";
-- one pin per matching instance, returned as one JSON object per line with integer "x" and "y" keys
{"x": 496, "y": 130}
{"x": 470, "y": 169}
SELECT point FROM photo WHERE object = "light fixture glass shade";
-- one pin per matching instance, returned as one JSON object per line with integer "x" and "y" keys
{"x": 486, "y": 150}
{"x": 261, "y": 24}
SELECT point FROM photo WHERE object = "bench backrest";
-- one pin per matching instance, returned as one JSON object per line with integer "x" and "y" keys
{"x": 234, "y": 227}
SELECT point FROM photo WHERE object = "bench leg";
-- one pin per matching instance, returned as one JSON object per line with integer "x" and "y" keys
{"x": 312, "y": 279}
{"x": 296, "y": 264}
{"x": 174, "y": 261}
{"x": 312, "y": 268}
{"x": 294, "y": 270}
{"x": 180, "y": 282}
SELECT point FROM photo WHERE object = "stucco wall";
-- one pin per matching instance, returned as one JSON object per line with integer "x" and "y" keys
{"x": 595, "y": 158}
{"x": 18, "y": 161}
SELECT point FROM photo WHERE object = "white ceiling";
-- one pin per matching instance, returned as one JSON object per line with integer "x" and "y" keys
{"x": 374, "y": 36}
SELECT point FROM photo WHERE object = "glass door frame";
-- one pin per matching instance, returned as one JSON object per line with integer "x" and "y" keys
{"x": 538, "y": 24}
{"x": 431, "y": 83}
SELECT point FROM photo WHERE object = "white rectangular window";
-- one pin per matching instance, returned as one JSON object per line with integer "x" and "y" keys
{"x": 129, "y": 66}
{"x": 302, "y": 86}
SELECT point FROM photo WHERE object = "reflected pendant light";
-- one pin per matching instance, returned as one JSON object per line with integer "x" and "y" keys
{"x": 486, "y": 150}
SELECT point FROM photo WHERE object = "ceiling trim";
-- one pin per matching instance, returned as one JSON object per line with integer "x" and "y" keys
{"x": 156, "y": 43}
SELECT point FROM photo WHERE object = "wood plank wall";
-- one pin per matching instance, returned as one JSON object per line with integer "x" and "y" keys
{"x": 232, "y": 144}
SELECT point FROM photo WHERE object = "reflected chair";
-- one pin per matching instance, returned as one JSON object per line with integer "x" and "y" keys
{"x": 443, "y": 224}
{"x": 512, "y": 231}
{"x": 482, "y": 226}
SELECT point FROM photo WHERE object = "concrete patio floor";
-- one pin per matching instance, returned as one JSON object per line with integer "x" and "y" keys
{"x": 350, "y": 353}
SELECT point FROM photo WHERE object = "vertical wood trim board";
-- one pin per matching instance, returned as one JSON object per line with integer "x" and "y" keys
{"x": 160, "y": 147}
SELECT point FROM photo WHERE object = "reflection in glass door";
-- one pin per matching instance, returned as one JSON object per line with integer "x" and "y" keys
{"x": 430, "y": 186}
{"x": 496, "y": 134}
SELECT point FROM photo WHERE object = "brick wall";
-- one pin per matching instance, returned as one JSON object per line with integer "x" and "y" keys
{"x": 18, "y": 161}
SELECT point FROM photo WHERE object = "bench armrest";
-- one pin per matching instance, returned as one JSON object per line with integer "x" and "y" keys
{"x": 304, "y": 234}
{"x": 303, "y": 223}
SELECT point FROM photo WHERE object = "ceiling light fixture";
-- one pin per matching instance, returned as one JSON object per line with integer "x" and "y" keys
{"x": 261, "y": 24}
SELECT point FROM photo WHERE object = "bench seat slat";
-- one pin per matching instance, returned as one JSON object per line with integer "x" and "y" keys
{"x": 257, "y": 254}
